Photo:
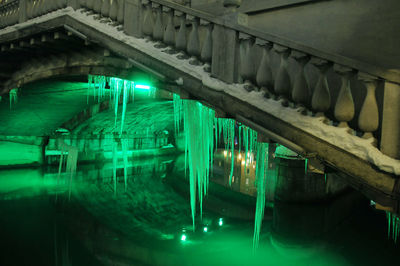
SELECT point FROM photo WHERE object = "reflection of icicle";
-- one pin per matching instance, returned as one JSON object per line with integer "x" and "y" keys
{"x": 124, "y": 143}
{"x": 393, "y": 225}
{"x": 115, "y": 161}
{"x": 198, "y": 125}
{"x": 72, "y": 160}
{"x": 60, "y": 168}
{"x": 13, "y": 97}
{"x": 261, "y": 180}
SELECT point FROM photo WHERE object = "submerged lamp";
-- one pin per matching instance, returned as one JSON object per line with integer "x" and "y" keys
{"x": 220, "y": 222}
{"x": 183, "y": 237}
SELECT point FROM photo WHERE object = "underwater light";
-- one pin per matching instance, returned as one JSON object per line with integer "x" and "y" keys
{"x": 183, "y": 237}
{"x": 205, "y": 229}
{"x": 143, "y": 87}
{"x": 220, "y": 222}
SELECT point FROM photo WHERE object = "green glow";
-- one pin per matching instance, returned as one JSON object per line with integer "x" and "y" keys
{"x": 143, "y": 87}
{"x": 198, "y": 125}
{"x": 221, "y": 222}
{"x": 393, "y": 225}
{"x": 183, "y": 237}
{"x": 261, "y": 177}
{"x": 205, "y": 229}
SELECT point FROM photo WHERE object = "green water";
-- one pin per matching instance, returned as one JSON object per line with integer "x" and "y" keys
{"x": 144, "y": 221}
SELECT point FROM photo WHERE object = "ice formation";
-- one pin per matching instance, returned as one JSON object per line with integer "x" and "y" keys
{"x": 178, "y": 112}
{"x": 393, "y": 225}
{"x": 261, "y": 183}
{"x": 199, "y": 135}
{"x": 118, "y": 88}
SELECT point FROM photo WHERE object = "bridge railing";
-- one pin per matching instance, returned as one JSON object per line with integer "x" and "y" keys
{"x": 350, "y": 94}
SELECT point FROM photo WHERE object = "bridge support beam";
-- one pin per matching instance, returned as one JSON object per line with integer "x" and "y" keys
{"x": 390, "y": 132}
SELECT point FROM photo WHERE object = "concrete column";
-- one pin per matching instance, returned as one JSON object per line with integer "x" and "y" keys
{"x": 133, "y": 17}
{"x": 390, "y": 131}
{"x": 225, "y": 57}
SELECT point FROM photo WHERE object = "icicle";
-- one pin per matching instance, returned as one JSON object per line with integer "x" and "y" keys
{"x": 393, "y": 225}
{"x": 178, "y": 112}
{"x": 232, "y": 145}
{"x": 124, "y": 143}
{"x": 124, "y": 102}
{"x": 261, "y": 180}
{"x": 199, "y": 142}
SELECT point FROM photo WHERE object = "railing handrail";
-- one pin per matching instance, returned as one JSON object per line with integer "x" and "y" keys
{"x": 390, "y": 75}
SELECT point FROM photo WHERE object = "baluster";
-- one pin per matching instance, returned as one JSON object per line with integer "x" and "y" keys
{"x": 97, "y": 6}
{"x": 35, "y": 10}
{"x": 120, "y": 13}
{"x": 47, "y": 6}
{"x": 206, "y": 50}
{"x": 89, "y": 4}
{"x": 193, "y": 44}
{"x": 113, "y": 10}
{"x": 105, "y": 8}
{"x": 321, "y": 99}
{"x": 148, "y": 20}
{"x": 282, "y": 83}
{"x": 368, "y": 120}
{"x": 29, "y": 9}
{"x": 158, "y": 30}
{"x": 246, "y": 63}
{"x": 53, "y": 5}
{"x": 344, "y": 107}
{"x": 181, "y": 42}
{"x": 264, "y": 77}
{"x": 301, "y": 93}
{"x": 169, "y": 33}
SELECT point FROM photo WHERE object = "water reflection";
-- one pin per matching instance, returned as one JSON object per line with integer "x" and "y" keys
{"x": 143, "y": 222}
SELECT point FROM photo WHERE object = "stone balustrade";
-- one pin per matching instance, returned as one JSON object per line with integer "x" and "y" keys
{"x": 9, "y": 13}
{"x": 320, "y": 85}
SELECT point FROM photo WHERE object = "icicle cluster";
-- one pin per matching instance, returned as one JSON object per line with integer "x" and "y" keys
{"x": 178, "y": 112}
{"x": 199, "y": 142}
{"x": 393, "y": 225}
{"x": 261, "y": 183}
{"x": 118, "y": 88}
{"x": 201, "y": 128}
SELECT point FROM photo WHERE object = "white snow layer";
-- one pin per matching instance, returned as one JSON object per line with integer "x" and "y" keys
{"x": 339, "y": 137}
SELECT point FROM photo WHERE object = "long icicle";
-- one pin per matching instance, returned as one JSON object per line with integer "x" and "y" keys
{"x": 199, "y": 139}
{"x": 261, "y": 182}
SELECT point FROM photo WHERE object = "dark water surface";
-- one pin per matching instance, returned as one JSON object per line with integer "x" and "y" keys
{"x": 143, "y": 223}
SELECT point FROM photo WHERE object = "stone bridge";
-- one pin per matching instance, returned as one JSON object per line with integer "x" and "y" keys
{"x": 337, "y": 109}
